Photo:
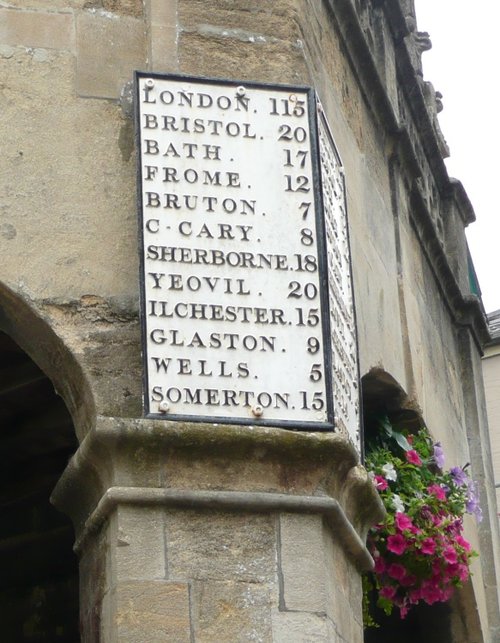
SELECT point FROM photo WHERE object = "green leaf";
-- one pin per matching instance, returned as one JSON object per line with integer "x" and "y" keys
{"x": 402, "y": 441}
{"x": 386, "y": 425}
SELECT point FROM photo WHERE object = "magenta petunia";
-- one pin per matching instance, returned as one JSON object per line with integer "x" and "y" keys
{"x": 430, "y": 592}
{"x": 437, "y": 491}
{"x": 403, "y": 521}
{"x": 396, "y": 571}
{"x": 380, "y": 483}
{"x": 415, "y": 595}
{"x": 408, "y": 581}
{"x": 463, "y": 572}
{"x": 450, "y": 555}
{"x": 397, "y": 544}
{"x": 413, "y": 458}
{"x": 428, "y": 546}
{"x": 388, "y": 592}
{"x": 460, "y": 540}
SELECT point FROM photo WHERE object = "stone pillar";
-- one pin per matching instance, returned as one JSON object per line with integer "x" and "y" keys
{"x": 200, "y": 532}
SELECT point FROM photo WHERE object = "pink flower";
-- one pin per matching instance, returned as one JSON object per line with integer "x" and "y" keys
{"x": 408, "y": 581}
{"x": 430, "y": 592}
{"x": 397, "y": 571}
{"x": 437, "y": 520}
{"x": 388, "y": 592}
{"x": 380, "y": 483}
{"x": 403, "y": 521}
{"x": 428, "y": 546}
{"x": 397, "y": 544}
{"x": 446, "y": 593}
{"x": 437, "y": 491}
{"x": 463, "y": 572}
{"x": 415, "y": 595}
{"x": 436, "y": 568}
{"x": 462, "y": 542}
{"x": 413, "y": 458}
{"x": 450, "y": 555}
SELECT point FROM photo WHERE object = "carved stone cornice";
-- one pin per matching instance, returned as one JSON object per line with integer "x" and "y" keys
{"x": 417, "y": 141}
{"x": 222, "y": 468}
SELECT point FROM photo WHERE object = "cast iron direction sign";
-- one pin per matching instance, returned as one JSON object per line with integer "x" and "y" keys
{"x": 235, "y": 299}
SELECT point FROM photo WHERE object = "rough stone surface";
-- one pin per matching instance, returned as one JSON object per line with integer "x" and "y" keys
{"x": 153, "y": 611}
{"x": 258, "y": 19}
{"x": 216, "y": 546}
{"x": 164, "y": 48}
{"x": 300, "y": 628}
{"x": 122, "y": 7}
{"x": 163, "y": 34}
{"x": 231, "y": 611}
{"x": 36, "y": 29}
{"x": 139, "y": 553}
{"x": 47, "y": 5}
{"x": 108, "y": 51}
{"x": 303, "y": 563}
{"x": 343, "y": 591}
{"x": 215, "y": 54}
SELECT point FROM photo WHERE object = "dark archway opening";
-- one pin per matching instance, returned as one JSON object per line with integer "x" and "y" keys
{"x": 383, "y": 396}
{"x": 39, "y": 577}
{"x": 424, "y": 623}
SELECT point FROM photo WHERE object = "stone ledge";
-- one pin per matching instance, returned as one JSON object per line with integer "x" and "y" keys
{"x": 225, "y": 467}
{"x": 231, "y": 501}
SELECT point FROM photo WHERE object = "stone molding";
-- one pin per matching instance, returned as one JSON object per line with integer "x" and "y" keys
{"x": 213, "y": 466}
{"x": 417, "y": 142}
{"x": 231, "y": 501}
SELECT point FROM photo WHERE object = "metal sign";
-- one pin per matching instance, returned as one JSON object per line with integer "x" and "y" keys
{"x": 346, "y": 390}
{"x": 235, "y": 301}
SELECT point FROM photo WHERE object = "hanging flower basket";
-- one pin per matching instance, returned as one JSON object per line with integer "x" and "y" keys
{"x": 419, "y": 551}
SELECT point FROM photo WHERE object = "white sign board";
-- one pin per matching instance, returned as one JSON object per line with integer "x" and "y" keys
{"x": 235, "y": 303}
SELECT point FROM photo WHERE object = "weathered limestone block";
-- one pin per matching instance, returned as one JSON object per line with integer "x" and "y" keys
{"x": 108, "y": 49}
{"x": 66, "y": 184}
{"x": 233, "y": 611}
{"x": 162, "y": 34}
{"x": 277, "y": 20}
{"x": 49, "y": 5}
{"x": 301, "y": 627}
{"x": 119, "y": 7}
{"x": 209, "y": 52}
{"x": 217, "y": 546}
{"x": 302, "y": 560}
{"x": 139, "y": 553}
{"x": 47, "y": 30}
{"x": 152, "y": 611}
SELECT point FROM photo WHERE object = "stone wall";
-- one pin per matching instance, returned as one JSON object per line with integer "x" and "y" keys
{"x": 491, "y": 373}
{"x": 69, "y": 296}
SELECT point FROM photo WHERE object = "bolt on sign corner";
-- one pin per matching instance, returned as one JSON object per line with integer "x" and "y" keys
{"x": 241, "y": 203}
